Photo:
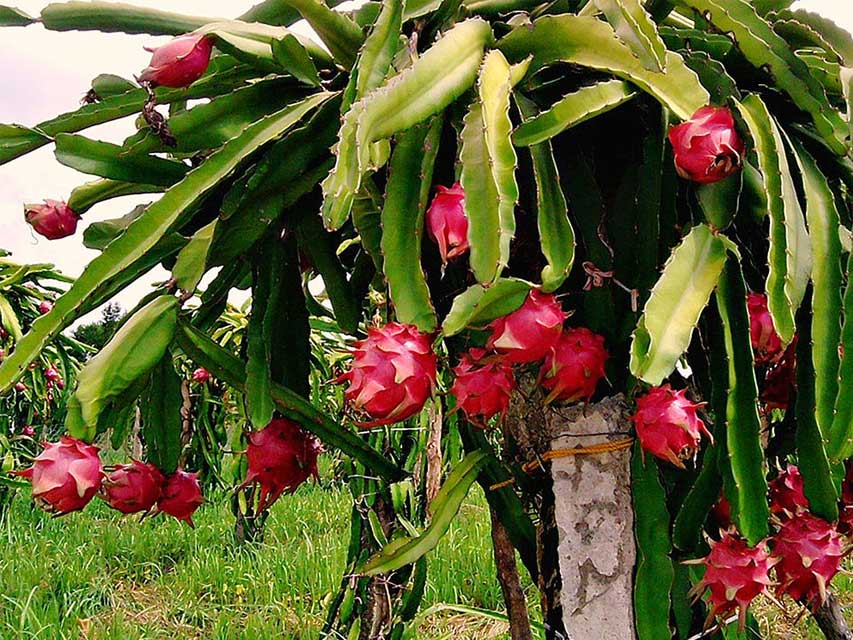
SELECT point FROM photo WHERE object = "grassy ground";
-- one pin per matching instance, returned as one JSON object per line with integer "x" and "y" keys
{"x": 96, "y": 576}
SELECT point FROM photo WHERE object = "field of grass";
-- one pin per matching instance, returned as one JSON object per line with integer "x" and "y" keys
{"x": 97, "y": 576}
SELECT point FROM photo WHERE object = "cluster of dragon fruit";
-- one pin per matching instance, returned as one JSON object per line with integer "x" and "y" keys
{"x": 394, "y": 371}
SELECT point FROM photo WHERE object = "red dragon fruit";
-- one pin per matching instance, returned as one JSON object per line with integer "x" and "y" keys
{"x": 28, "y": 431}
{"x": 65, "y": 476}
{"x": 721, "y": 514}
{"x": 179, "y": 62}
{"x": 707, "y": 147}
{"x": 574, "y": 366}
{"x": 45, "y": 307}
{"x": 54, "y": 219}
{"x": 483, "y": 386}
{"x": 281, "y": 457}
{"x": 809, "y": 550}
{"x": 528, "y": 333}
{"x": 787, "y": 496}
{"x": 667, "y": 424}
{"x": 133, "y": 487}
{"x": 779, "y": 380}
{"x": 766, "y": 343}
{"x": 392, "y": 375}
{"x": 446, "y": 222}
{"x": 201, "y": 375}
{"x": 181, "y": 496}
{"x": 734, "y": 574}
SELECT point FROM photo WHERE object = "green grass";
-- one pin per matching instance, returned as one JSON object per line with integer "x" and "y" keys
{"x": 97, "y": 575}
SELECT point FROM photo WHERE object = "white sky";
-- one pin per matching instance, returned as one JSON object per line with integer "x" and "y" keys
{"x": 44, "y": 73}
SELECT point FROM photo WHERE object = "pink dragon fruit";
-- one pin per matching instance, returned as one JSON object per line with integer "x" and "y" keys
{"x": 809, "y": 550}
{"x": 134, "y": 487}
{"x": 667, "y": 425}
{"x": 531, "y": 331}
{"x": 787, "y": 496}
{"x": 28, "y": 431}
{"x": 392, "y": 374}
{"x": 707, "y": 147}
{"x": 483, "y": 387}
{"x": 201, "y": 375}
{"x": 766, "y": 343}
{"x": 65, "y": 476}
{"x": 446, "y": 222}
{"x": 735, "y": 575}
{"x": 45, "y": 307}
{"x": 54, "y": 219}
{"x": 179, "y": 62}
{"x": 573, "y": 368}
{"x": 181, "y": 496}
{"x": 281, "y": 457}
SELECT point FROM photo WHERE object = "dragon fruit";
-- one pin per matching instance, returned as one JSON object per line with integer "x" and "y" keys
{"x": 281, "y": 457}
{"x": 779, "y": 380}
{"x": 181, "y": 496}
{"x": 392, "y": 374}
{"x": 734, "y": 574}
{"x": 483, "y": 386}
{"x": 65, "y": 476}
{"x": 766, "y": 343}
{"x": 446, "y": 222}
{"x": 707, "y": 147}
{"x": 668, "y": 426}
{"x": 787, "y": 496}
{"x": 132, "y": 488}
{"x": 573, "y": 368}
{"x": 54, "y": 219}
{"x": 721, "y": 514}
{"x": 809, "y": 552}
{"x": 201, "y": 375}
{"x": 531, "y": 331}
{"x": 45, "y": 307}
{"x": 179, "y": 62}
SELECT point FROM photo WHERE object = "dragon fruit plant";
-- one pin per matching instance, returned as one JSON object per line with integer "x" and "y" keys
{"x": 490, "y": 200}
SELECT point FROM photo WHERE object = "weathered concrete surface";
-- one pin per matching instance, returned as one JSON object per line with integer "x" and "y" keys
{"x": 595, "y": 523}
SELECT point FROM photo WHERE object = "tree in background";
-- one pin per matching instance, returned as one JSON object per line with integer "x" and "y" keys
{"x": 97, "y": 334}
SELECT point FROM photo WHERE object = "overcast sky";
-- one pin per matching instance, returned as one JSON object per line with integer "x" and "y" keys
{"x": 44, "y": 73}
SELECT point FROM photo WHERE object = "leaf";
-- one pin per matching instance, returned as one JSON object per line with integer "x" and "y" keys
{"x": 488, "y": 171}
{"x": 636, "y": 28}
{"x": 162, "y": 422}
{"x": 406, "y": 195}
{"x": 16, "y": 140}
{"x": 478, "y": 305}
{"x": 556, "y": 235}
{"x": 379, "y": 48}
{"x": 703, "y": 495}
{"x": 129, "y": 356}
{"x": 320, "y": 247}
{"x": 340, "y": 34}
{"x": 823, "y": 221}
{"x": 266, "y": 281}
{"x": 577, "y": 107}
{"x": 212, "y": 124}
{"x": 192, "y": 262}
{"x": 838, "y": 38}
{"x": 818, "y": 484}
{"x": 291, "y": 54}
{"x": 789, "y": 258}
{"x": 109, "y": 161}
{"x": 9, "y": 319}
{"x": 589, "y": 42}
{"x": 743, "y": 425}
{"x": 446, "y": 70}
{"x": 654, "y": 572}
{"x": 719, "y": 200}
{"x": 13, "y": 17}
{"x": 444, "y": 507}
{"x": 675, "y": 304}
{"x": 228, "y": 368}
{"x": 840, "y": 446}
{"x": 113, "y": 17}
{"x": 144, "y": 234}
{"x": 89, "y": 194}
{"x": 766, "y": 50}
